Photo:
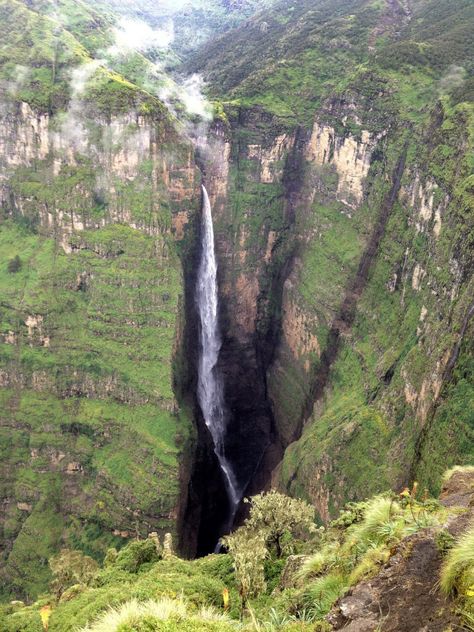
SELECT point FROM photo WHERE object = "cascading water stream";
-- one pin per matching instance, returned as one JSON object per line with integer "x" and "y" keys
{"x": 210, "y": 385}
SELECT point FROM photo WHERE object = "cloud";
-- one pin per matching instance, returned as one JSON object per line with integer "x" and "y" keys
{"x": 72, "y": 128}
{"x": 453, "y": 78}
{"x": 19, "y": 78}
{"x": 190, "y": 92}
{"x": 133, "y": 35}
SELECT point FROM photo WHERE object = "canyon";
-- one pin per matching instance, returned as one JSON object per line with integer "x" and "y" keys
{"x": 342, "y": 219}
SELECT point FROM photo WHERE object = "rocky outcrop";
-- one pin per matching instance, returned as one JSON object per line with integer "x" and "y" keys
{"x": 348, "y": 156}
{"x": 95, "y": 169}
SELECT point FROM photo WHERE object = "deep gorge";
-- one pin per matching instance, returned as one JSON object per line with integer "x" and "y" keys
{"x": 339, "y": 172}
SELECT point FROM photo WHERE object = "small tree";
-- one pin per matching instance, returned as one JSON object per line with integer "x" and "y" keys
{"x": 71, "y": 567}
{"x": 14, "y": 265}
{"x": 248, "y": 551}
{"x": 273, "y": 515}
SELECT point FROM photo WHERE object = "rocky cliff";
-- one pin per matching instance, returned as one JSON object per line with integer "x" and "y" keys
{"x": 95, "y": 207}
{"x": 345, "y": 236}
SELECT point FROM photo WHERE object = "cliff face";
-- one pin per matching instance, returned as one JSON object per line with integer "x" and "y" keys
{"x": 346, "y": 273}
{"x": 373, "y": 279}
{"x": 92, "y": 320}
{"x": 368, "y": 421}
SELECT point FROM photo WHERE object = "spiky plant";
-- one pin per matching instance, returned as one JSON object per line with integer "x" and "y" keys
{"x": 133, "y": 613}
{"x": 457, "y": 572}
{"x": 321, "y": 594}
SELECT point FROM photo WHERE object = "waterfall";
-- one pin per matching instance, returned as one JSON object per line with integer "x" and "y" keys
{"x": 210, "y": 385}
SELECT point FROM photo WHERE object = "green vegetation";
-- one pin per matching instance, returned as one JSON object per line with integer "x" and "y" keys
{"x": 140, "y": 590}
{"x": 166, "y": 615}
{"x": 458, "y": 571}
{"x": 457, "y": 575}
{"x": 292, "y": 57}
{"x": 70, "y": 568}
{"x": 107, "y": 416}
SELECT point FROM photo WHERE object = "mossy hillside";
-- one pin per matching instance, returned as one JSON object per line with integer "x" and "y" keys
{"x": 92, "y": 384}
{"x": 330, "y": 239}
{"x": 35, "y": 57}
{"x": 292, "y": 57}
{"x": 90, "y": 26}
{"x": 452, "y": 427}
{"x": 286, "y": 49}
{"x": 403, "y": 336}
{"x": 45, "y": 42}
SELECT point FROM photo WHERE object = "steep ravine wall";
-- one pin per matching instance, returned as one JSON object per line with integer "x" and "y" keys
{"x": 363, "y": 431}
{"x": 95, "y": 417}
{"x": 325, "y": 239}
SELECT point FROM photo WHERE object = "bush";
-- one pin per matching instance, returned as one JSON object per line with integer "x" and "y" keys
{"x": 15, "y": 264}
{"x": 248, "y": 552}
{"x": 444, "y": 541}
{"x": 275, "y": 516}
{"x": 70, "y": 568}
{"x": 135, "y": 554}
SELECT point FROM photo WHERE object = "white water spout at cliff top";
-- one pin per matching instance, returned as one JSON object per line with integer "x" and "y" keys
{"x": 210, "y": 386}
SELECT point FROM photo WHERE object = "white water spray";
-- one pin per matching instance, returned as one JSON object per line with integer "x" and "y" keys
{"x": 210, "y": 386}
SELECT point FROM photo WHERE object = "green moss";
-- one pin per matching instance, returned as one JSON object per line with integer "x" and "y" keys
{"x": 113, "y": 339}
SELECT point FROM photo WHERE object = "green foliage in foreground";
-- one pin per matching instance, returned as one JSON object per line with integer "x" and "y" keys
{"x": 145, "y": 589}
{"x": 458, "y": 570}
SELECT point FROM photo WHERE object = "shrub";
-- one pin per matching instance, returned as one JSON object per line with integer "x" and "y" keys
{"x": 70, "y": 568}
{"x": 444, "y": 541}
{"x": 135, "y": 554}
{"x": 276, "y": 515}
{"x": 15, "y": 264}
{"x": 248, "y": 552}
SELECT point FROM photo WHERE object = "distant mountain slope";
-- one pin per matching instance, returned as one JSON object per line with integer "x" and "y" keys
{"x": 289, "y": 57}
{"x": 195, "y": 21}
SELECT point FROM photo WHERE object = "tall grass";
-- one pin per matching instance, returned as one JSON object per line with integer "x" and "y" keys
{"x": 457, "y": 573}
{"x": 320, "y": 595}
{"x": 381, "y": 522}
{"x": 134, "y": 612}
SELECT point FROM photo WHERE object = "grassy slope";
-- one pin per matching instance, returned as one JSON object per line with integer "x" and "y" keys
{"x": 355, "y": 547}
